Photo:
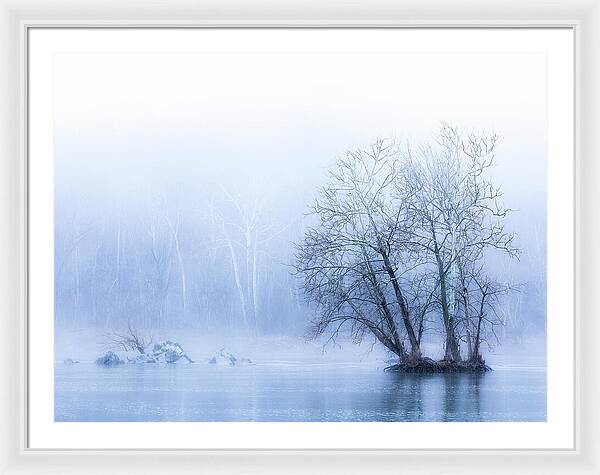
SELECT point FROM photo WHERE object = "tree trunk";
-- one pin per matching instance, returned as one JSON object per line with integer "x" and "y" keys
{"x": 236, "y": 275}
{"x": 452, "y": 351}
{"x": 175, "y": 233}
{"x": 383, "y": 305}
{"x": 395, "y": 347}
{"x": 476, "y": 355}
{"x": 414, "y": 343}
{"x": 469, "y": 336}
{"x": 465, "y": 298}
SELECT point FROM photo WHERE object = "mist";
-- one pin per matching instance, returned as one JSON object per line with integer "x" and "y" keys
{"x": 183, "y": 182}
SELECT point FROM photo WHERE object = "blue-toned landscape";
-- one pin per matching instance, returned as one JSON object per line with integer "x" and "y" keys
{"x": 270, "y": 237}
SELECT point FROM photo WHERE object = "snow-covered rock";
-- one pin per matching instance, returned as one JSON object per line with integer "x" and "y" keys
{"x": 223, "y": 357}
{"x": 163, "y": 352}
{"x": 142, "y": 359}
{"x": 109, "y": 359}
{"x": 169, "y": 352}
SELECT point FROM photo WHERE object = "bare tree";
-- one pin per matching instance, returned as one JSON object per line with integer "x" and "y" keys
{"x": 247, "y": 232}
{"x": 161, "y": 247}
{"x": 174, "y": 230}
{"x": 401, "y": 237}
{"x": 241, "y": 235}
{"x": 348, "y": 260}
{"x": 481, "y": 317}
{"x": 421, "y": 292}
{"x": 129, "y": 340}
{"x": 457, "y": 214}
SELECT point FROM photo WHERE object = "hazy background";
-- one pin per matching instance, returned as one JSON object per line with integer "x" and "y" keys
{"x": 159, "y": 156}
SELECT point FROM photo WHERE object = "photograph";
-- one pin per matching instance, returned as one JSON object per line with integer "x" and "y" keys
{"x": 300, "y": 236}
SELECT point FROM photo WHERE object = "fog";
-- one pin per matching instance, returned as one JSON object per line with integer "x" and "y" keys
{"x": 182, "y": 181}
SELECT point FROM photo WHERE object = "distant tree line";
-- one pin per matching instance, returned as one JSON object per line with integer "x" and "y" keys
{"x": 212, "y": 261}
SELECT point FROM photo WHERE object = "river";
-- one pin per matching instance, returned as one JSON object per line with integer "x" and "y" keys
{"x": 282, "y": 391}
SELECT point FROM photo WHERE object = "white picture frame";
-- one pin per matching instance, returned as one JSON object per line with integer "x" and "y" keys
{"x": 17, "y": 17}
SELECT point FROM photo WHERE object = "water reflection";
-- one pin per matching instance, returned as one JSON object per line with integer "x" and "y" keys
{"x": 267, "y": 393}
{"x": 453, "y": 396}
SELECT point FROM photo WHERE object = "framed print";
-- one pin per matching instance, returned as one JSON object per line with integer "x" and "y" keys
{"x": 303, "y": 241}
{"x": 214, "y": 271}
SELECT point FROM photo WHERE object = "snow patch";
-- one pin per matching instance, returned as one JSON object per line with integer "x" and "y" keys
{"x": 223, "y": 357}
{"x": 169, "y": 352}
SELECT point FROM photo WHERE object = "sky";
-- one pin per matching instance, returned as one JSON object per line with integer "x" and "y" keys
{"x": 280, "y": 118}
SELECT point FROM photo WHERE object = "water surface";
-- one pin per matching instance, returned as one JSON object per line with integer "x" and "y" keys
{"x": 285, "y": 392}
